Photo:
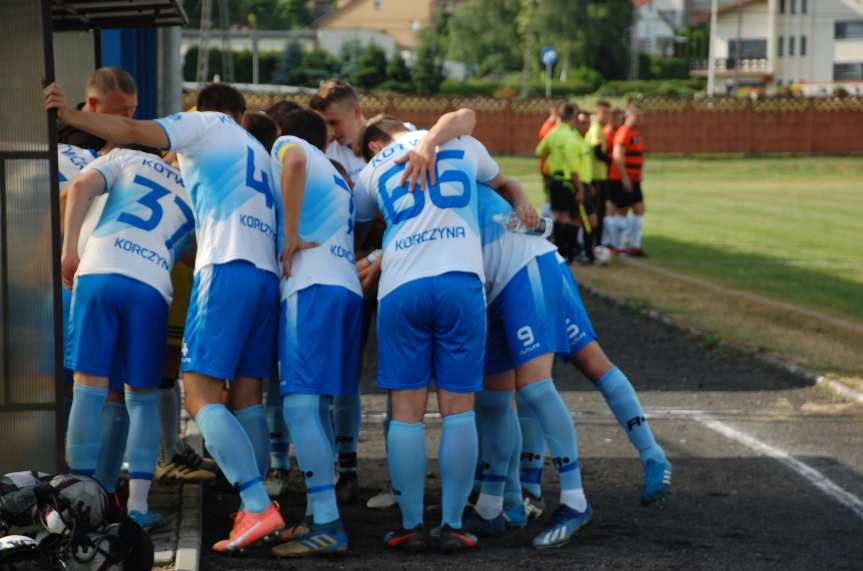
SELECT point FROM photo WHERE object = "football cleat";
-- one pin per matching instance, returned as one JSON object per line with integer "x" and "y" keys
{"x": 249, "y": 528}
{"x": 410, "y": 540}
{"x": 564, "y": 523}
{"x": 515, "y": 516}
{"x": 657, "y": 481}
{"x": 455, "y": 540}
{"x": 324, "y": 539}
{"x": 296, "y": 531}
{"x": 186, "y": 466}
{"x": 481, "y": 527}
{"x": 384, "y": 499}
{"x": 147, "y": 521}
{"x": 347, "y": 488}
{"x": 534, "y": 506}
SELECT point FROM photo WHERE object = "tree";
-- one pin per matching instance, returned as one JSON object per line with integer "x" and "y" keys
{"x": 296, "y": 14}
{"x": 349, "y": 59}
{"x": 398, "y": 75}
{"x": 318, "y": 66}
{"x": 428, "y": 67}
{"x": 484, "y": 35}
{"x": 371, "y": 68}
{"x": 290, "y": 70}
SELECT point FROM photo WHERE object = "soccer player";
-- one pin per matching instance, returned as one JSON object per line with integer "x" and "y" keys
{"x": 321, "y": 311}
{"x": 625, "y": 186}
{"x": 339, "y": 104}
{"x": 231, "y": 325}
{"x": 109, "y": 90}
{"x": 562, "y": 152}
{"x": 601, "y": 157}
{"x": 122, "y": 290}
{"x": 431, "y": 318}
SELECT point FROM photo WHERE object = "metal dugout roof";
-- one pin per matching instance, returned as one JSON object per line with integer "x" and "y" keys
{"x": 97, "y": 14}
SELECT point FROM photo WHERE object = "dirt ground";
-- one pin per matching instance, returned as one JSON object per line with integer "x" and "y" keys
{"x": 735, "y": 504}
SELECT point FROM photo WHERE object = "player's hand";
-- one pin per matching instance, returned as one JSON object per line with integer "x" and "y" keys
{"x": 627, "y": 185}
{"x": 527, "y": 214}
{"x": 53, "y": 97}
{"x": 294, "y": 245}
{"x": 420, "y": 165}
{"x": 369, "y": 273}
{"x": 68, "y": 267}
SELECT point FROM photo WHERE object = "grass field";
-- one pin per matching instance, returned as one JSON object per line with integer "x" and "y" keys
{"x": 787, "y": 228}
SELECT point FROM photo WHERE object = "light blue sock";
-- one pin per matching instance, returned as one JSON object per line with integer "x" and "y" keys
{"x": 254, "y": 421}
{"x": 326, "y": 410}
{"x": 407, "y": 460}
{"x": 559, "y": 429}
{"x": 280, "y": 436}
{"x": 459, "y": 448}
{"x": 533, "y": 448}
{"x": 232, "y": 450}
{"x": 347, "y": 416}
{"x": 388, "y": 419}
{"x": 115, "y": 430}
{"x": 314, "y": 455}
{"x": 623, "y": 402}
{"x": 497, "y": 441}
{"x": 142, "y": 445}
{"x": 512, "y": 488}
{"x": 84, "y": 435}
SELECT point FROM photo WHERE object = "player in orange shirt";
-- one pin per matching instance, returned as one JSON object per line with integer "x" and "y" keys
{"x": 625, "y": 185}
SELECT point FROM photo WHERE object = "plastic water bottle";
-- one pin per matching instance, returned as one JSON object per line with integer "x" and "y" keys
{"x": 514, "y": 224}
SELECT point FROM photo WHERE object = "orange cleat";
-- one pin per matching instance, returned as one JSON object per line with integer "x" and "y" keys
{"x": 250, "y": 528}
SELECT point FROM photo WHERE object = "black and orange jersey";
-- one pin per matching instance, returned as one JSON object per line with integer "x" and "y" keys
{"x": 633, "y": 145}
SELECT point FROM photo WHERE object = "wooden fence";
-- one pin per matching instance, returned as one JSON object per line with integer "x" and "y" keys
{"x": 686, "y": 126}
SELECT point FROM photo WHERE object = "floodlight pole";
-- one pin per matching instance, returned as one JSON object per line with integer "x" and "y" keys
{"x": 711, "y": 50}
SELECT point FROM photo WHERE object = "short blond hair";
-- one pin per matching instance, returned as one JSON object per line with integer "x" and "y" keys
{"x": 333, "y": 91}
{"x": 106, "y": 80}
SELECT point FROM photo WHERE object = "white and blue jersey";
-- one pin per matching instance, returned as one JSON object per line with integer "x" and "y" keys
{"x": 326, "y": 218}
{"x": 71, "y": 160}
{"x": 146, "y": 223}
{"x": 230, "y": 181}
{"x": 346, "y": 157}
{"x": 428, "y": 233}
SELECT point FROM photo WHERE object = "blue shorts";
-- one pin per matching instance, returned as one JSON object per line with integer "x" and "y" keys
{"x": 231, "y": 322}
{"x": 67, "y": 303}
{"x": 579, "y": 329}
{"x": 117, "y": 322}
{"x": 433, "y": 328}
{"x": 526, "y": 320}
{"x": 319, "y": 341}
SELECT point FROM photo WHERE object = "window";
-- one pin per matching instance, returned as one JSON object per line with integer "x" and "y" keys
{"x": 803, "y": 45}
{"x": 791, "y": 42}
{"x": 781, "y": 6}
{"x": 848, "y": 71}
{"x": 749, "y": 49}
{"x": 804, "y": 6}
{"x": 793, "y": 6}
{"x": 780, "y": 46}
{"x": 848, "y": 30}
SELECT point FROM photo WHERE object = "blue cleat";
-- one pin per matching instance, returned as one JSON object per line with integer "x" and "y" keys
{"x": 657, "y": 481}
{"x": 564, "y": 523}
{"x": 515, "y": 516}
{"x": 481, "y": 527}
{"x": 147, "y": 521}
{"x": 324, "y": 539}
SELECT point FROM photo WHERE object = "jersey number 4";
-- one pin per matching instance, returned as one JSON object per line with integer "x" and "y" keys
{"x": 151, "y": 201}
{"x": 451, "y": 178}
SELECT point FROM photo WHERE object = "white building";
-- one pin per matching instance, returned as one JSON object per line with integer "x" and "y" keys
{"x": 657, "y": 25}
{"x": 816, "y": 44}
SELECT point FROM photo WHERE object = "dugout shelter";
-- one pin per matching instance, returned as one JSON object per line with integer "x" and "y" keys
{"x": 40, "y": 41}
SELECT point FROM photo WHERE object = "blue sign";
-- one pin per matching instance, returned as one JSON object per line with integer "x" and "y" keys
{"x": 548, "y": 56}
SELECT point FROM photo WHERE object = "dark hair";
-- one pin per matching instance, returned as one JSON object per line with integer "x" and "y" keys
{"x": 279, "y": 109}
{"x": 262, "y": 127}
{"x": 568, "y": 111}
{"x": 343, "y": 171}
{"x": 223, "y": 98}
{"x": 603, "y": 103}
{"x": 307, "y": 125}
{"x": 381, "y": 129}
{"x": 106, "y": 80}
{"x": 332, "y": 91}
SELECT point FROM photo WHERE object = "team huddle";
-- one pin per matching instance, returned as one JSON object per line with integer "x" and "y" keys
{"x": 305, "y": 224}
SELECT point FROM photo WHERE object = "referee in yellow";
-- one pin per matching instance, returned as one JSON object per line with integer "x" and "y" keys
{"x": 562, "y": 149}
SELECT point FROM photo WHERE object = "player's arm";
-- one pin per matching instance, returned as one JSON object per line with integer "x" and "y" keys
{"x": 118, "y": 130}
{"x": 542, "y": 148}
{"x": 293, "y": 181}
{"x": 512, "y": 192}
{"x": 619, "y": 158}
{"x": 421, "y": 159}
{"x": 80, "y": 194}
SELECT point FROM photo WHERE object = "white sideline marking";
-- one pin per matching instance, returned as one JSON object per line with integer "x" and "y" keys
{"x": 806, "y": 471}
{"x": 840, "y": 389}
{"x": 746, "y": 295}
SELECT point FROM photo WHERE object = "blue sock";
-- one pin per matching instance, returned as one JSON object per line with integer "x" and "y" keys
{"x": 142, "y": 445}
{"x": 512, "y": 487}
{"x": 388, "y": 419}
{"x": 559, "y": 429}
{"x": 325, "y": 404}
{"x": 84, "y": 435}
{"x": 314, "y": 455}
{"x": 497, "y": 438}
{"x": 407, "y": 460}
{"x": 280, "y": 436}
{"x": 254, "y": 421}
{"x": 115, "y": 430}
{"x": 533, "y": 448}
{"x": 459, "y": 447}
{"x": 232, "y": 450}
{"x": 347, "y": 416}
{"x": 623, "y": 402}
